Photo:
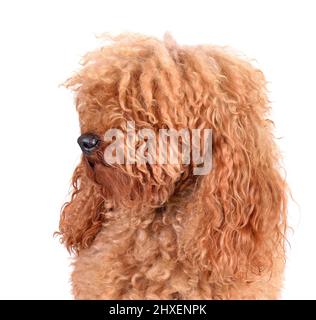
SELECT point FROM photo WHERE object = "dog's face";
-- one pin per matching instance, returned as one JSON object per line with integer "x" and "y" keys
{"x": 139, "y": 83}
{"x": 160, "y": 85}
{"x": 123, "y": 184}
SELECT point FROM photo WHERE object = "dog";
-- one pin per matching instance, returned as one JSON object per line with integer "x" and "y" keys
{"x": 158, "y": 231}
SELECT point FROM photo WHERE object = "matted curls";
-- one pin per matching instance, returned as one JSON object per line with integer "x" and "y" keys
{"x": 231, "y": 221}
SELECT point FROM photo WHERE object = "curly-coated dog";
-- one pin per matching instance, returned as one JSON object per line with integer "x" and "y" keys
{"x": 156, "y": 230}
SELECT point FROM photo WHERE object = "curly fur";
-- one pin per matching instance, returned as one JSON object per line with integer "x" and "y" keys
{"x": 157, "y": 231}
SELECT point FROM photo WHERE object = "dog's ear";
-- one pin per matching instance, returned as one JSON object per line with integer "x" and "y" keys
{"x": 239, "y": 207}
{"x": 81, "y": 218}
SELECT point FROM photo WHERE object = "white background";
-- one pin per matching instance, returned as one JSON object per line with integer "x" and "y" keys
{"x": 41, "y": 43}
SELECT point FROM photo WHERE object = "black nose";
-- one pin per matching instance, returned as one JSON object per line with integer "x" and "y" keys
{"x": 88, "y": 142}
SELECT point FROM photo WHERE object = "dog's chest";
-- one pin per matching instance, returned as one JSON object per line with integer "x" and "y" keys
{"x": 124, "y": 260}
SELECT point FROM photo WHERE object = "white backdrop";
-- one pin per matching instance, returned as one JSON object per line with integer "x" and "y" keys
{"x": 41, "y": 43}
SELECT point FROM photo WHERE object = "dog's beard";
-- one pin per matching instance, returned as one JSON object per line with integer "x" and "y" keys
{"x": 116, "y": 185}
{"x": 130, "y": 187}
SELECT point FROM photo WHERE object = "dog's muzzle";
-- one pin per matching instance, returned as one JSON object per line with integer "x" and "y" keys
{"x": 88, "y": 142}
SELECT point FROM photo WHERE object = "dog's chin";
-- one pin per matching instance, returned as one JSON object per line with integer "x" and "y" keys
{"x": 116, "y": 185}
{"x": 91, "y": 164}
{"x": 123, "y": 190}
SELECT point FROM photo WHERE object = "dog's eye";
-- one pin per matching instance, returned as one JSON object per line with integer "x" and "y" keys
{"x": 88, "y": 142}
{"x": 161, "y": 209}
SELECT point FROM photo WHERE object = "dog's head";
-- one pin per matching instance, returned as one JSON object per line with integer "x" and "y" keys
{"x": 142, "y": 83}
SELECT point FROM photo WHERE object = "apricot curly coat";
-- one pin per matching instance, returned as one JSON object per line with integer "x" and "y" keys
{"x": 157, "y": 231}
